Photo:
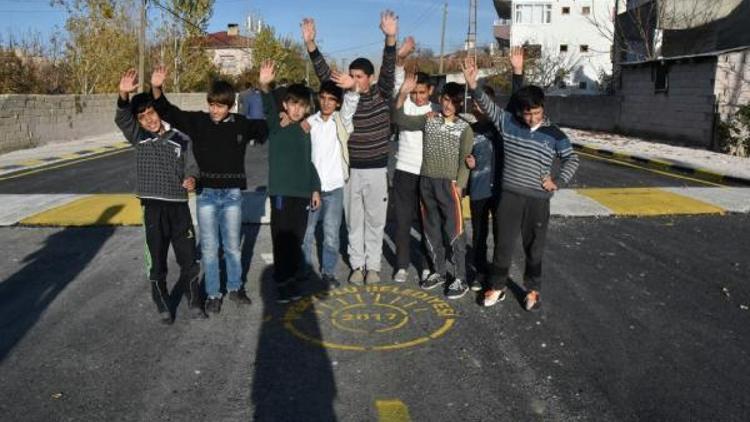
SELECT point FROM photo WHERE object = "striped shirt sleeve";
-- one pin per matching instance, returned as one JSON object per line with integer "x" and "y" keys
{"x": 488, "y": 107}
{"x": 568, "y": 160}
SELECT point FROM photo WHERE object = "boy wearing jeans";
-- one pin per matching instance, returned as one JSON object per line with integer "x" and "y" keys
{"x": 220, "y": 139}
{"x": 161, "y": 156}
{"x": 329, "y": 132}
{"x": 531, "y": 144}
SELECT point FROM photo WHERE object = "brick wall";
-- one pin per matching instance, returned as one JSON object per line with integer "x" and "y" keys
{"x": 30, "y": 120}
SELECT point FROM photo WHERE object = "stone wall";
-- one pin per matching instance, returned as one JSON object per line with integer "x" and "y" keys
{"x": 30, "y": 120}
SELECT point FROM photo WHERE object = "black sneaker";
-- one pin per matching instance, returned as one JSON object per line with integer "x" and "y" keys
{"x": 240, "y": 297}
{"x": 160, "y": 296}
{"x": 457, "y": 289}
{"x": 475, "y": 285}
{"x": 330, "y": 281}
{"x": 213, "y": 305}
{"x": 432, "y": 281}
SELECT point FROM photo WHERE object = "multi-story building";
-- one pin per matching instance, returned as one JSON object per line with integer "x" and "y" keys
{"x": 229, "y": 51}
{"x": 572, "y": 37}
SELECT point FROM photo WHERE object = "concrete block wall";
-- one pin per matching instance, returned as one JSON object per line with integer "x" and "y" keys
{"x": 31, "y": 120}
{"x": 683, "y": 114}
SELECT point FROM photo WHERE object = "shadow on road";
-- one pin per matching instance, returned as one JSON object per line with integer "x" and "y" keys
{"x": 25, "y": 295}
{"x": 293, "y": 379}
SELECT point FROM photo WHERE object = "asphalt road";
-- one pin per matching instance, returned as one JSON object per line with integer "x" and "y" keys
{"x": 643, "y": 319}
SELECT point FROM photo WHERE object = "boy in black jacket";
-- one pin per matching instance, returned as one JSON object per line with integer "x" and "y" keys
{"x": 162, "y": 155}
{"x": 219, "y": 142}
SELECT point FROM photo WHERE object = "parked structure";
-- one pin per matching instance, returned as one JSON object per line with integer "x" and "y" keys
{"x": 566, "y": 34}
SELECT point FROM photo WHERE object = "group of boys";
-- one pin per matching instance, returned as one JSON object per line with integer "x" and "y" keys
{"x": 334, "y": 163}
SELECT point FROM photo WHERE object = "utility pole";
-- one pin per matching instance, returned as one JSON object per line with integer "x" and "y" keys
{"x": 142, "y": 47}
{"x": 442, "y": 37}
{"x": 471, "y": 44}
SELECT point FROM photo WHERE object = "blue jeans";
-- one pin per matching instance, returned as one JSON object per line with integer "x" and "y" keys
{"x": 331, "y": 210}
{"x": 220, "y": 212}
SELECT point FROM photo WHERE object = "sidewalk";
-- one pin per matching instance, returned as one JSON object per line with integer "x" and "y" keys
{"x": 124, "y": 209}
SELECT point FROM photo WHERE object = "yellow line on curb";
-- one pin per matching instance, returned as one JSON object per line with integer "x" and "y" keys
{"x": 392, "y": 411}
{"x": 95, "y": 210}
{"x": 648, "y": 202}
{"x": 63, "y": 164}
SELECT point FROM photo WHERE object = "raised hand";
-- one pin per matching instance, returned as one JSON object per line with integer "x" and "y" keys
{"x": 406, "y": 48}
{"x": 469, "y": 67}
{"x": 308, "y": 30}
{"x": 516, "y": 60}
{"x": 389, "y": 23}
{"x": 267, "y": 72}
{"x": 342, "y": 80}
{"x": 158, "y": 76}
{"x": 128, "y": 81}
{"x": 410, "y": 82}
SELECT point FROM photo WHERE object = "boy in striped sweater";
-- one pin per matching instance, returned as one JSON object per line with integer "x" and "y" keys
{"x": 366, "y": 191}
{"x": 531, "y": 144}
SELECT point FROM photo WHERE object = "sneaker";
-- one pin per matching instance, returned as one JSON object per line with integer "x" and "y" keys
{"x": 533, "y": 301}
{"x": 457, "y": 289}
{"x": 213, "y": 305}
{"x": 372, "y": 277}
{"x": 432, "y": 281}
{"x": 330, "y": 281}
{"x": 425, "y": 273}
{"x": 160, "y": 296}
{"x": 288, "y": 292}
{"x": 491, "y": 297}
{"x": 196, "y": 312}
{"x": 400, "y": 276}
{"x": 240, "y": 297}
{"x": 357, "y": 277}
{"x": 475, "y": 285}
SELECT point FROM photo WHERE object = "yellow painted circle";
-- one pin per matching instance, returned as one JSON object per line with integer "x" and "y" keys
{"x": 378, "y": 317}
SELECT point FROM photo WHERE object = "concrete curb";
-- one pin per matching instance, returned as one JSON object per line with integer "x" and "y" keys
{"x": 661, "y": 164}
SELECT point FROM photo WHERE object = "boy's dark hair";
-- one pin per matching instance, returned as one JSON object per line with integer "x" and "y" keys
{"x": 140, "y": 102}
{"x": 489, "y": 91}
{"x": 330, "y": 87}
{"x": 528, "y": 97}
{"x": 363, "y": 65}
{"x": 297, "y": 93}
{"x": 221, "y": 92}
{"x": 424, "y": 79}
{"x": 455, "y": 92}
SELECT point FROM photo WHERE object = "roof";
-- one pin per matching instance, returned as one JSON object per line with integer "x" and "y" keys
{"x": 221, "y": 39}
{"x": 687, "y": 57}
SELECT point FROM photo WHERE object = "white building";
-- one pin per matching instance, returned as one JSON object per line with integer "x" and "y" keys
{"x": 231, "y": 52}
{"x": 572, "y": 36}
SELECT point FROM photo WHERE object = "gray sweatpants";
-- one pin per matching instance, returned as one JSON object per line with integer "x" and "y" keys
{"x": 365, "y": 210}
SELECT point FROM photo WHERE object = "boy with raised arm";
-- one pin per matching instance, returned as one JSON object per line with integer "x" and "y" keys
{"x": 366, "y": 191}
{"x": 531, "y": 144}
{"x": 220, "y": 139}
{"x": 443, "y": 176}
{"x": 161, "y": 157}
{"x": 293, "y": 183}
{"x": 329, "y": 133}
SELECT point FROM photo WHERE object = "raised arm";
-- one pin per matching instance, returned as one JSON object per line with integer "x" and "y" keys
{"x": 319, "y": 62}
{"x": 266, "y": 76}
{"x": 389, "y": 26}
{"x": 123, "y": 116}
{"x": 167, "y": 111}
{"x": 486, "y": 104}
{"x": 400, "y": 72}
{"x": 350, "y": 101}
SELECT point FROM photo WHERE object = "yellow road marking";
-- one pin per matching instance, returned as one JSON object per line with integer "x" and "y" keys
{"x": 30, "y": 163}
{"x": 648, "y": 201}
{"x": 120, "y": 209}
{"x": 392, "y": 411}
{"x": 64, "y": 164}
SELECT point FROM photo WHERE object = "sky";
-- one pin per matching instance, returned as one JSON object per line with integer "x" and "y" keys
{"x": 346, "y": 28}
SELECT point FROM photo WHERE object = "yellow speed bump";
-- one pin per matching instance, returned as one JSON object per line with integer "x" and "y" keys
{"x": 94, "y": 210}
{"x": 392, "y": 411}
{"x": 648, "y": 202}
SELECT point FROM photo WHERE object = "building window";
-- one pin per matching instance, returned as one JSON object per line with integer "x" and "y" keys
{"x": 563, "y": 48}
{"x": 583, "y": 85}
{"x": 566, "y": 10}
{"x": 584, "y": 48}
{"x": 661, "y": 78}
{"x": 533, "y": 13}
{"x": 586, "y": 10}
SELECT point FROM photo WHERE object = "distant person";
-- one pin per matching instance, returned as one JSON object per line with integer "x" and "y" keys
{"x": 531, "y": 144}
{"x": 329, "y": 132}
{"x": 293, "y": 182}
{"x": 447, "y": 142}
{"x": 220, "y": 140}
{"x": 485, "y": 180}
{"x": 163, "y": 157}
{"x": 366, "y": 191}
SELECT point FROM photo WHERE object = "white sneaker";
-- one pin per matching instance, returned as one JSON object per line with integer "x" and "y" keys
{"x": 425, "y": 273}
{"x": 400, "y": 276}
